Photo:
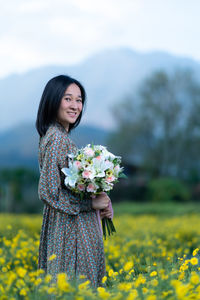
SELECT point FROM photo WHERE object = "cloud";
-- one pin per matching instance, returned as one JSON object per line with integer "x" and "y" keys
{"x": 31, "y": 7}
{"x": 35, "y": 33}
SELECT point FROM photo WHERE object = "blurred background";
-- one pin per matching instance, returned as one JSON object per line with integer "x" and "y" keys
{"x": 139, "y": 63}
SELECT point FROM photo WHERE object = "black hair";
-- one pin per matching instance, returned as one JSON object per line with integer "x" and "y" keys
{"x": 50, "y": 102}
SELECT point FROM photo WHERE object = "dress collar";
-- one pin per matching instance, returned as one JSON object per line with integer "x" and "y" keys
{"x": 60, "y": 127}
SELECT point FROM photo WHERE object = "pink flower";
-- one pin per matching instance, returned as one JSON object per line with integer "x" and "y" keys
{"x": 110, "y": 178}
{"x": 88, "y": 151}
{"x": 78, "y": 164}
{"x": 91, "y": 188}
{"x": 86, "y": 174}
{"x": 98, "y": 157}
{"x": 81, "y": 187}
{"x": 117, "y": 168}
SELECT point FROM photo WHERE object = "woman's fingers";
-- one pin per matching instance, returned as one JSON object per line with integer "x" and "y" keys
{"x": 101, "y": 201}
{"x": 106, "y": 213}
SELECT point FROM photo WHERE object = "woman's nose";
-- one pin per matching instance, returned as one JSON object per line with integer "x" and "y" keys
{"x": 74, "y": 104}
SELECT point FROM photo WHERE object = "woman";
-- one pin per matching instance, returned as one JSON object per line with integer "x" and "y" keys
{"x": 71, "y": 239}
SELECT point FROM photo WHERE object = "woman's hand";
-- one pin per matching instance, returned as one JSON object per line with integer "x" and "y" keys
{"x": 101, "y": 201}
{"x": 106, "y": 212}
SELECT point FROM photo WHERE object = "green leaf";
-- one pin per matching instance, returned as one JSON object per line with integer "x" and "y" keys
{"x": 104, "y": 228}
{"x": 107, "y": 225}
{"x": 122, "y": 175}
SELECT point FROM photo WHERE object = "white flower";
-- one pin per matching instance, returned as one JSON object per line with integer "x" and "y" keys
{"x": 116, "y": 170}
{"x": 107, "y": 186}
{"x": 88, "y": 151}
{"x": 99, "y": 167}
{"x": 71, "y": 155}
{"x": 99, "y": 147}
{"x": 109, "y": 164}
{"x": 71, "y": 176}
{"x": 88, "y": 174}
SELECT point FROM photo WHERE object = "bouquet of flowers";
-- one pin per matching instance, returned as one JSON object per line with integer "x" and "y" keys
{"x": 92, "y": 170}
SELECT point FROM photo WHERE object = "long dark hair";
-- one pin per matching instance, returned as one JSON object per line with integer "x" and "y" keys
{"x": 50, "y": 102}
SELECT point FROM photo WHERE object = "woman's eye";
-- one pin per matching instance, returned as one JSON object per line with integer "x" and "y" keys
{"x": 69, "y": 99}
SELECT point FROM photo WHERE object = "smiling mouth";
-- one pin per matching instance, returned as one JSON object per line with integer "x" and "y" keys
{"x": 72, "y": 114}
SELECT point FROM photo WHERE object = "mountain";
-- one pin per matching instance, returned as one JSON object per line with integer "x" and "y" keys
{"x": 108, "y": 76}
{"x": 19, "y": 145}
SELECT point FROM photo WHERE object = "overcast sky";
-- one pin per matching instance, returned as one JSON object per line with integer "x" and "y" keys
{"x": 35, "y": 33}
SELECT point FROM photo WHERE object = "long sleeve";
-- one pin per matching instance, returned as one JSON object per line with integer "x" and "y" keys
{"x": 50, "y": 189}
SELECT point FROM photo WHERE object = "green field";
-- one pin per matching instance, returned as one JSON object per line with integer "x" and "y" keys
{"x": 154, "y": 255}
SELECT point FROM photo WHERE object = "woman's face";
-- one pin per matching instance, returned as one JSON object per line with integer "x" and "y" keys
{"x": 70, "y": 106}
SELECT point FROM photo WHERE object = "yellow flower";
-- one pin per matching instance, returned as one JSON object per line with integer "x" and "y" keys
{"x": 80, "y": 156}
{"x": 62, "y": 283}
{"x": 11, "y": 278}
{"x": 128, "y": 266}
{"x": 194, "y": 278}
{"x": 181, "y": 290}
{"x": 84, "y": 285}
{"x": 104, "y": 279}
{"x": 21, "y": 272}
{"x": 195, "y": 251}
{"x": 154, "y": 273}
{"x": 133, "y": 295}
{"x": 52, "y": 257}
{"x": 183, "y": 267}
{"x": 20, "y": 283}
{"x": 166, "y": 293}
{"x": 2, "y": 289}
{"x": 109, "y": 172}
{"x": 7, "y": 243}
{"x": 48, "y": 278}
{"x": 102, "y": 293}
{"x": 37, "y": 281}
{"x": 4, "y": 269}
{"x": 181, "y": 276}
{"x": 124, "y": 286}
{"x": 154, "y": 282}
{"x": 194, "y": 261}
{"x": 51, "y": 290}
{"x": 110, "y": 272}
{"x": 140, "y": 280}
{"x": 23, "y": 292}
{"x": 144, "y": 290}
{"x": 2, "y": 261}
{"x": 151, "y": 297}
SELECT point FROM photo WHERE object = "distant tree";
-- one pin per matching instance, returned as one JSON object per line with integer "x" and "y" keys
{"x": 13, "y": 184}
{"x": 159, "y": 126}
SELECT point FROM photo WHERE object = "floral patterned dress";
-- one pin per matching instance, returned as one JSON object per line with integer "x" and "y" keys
{"x": 70, "y": 229}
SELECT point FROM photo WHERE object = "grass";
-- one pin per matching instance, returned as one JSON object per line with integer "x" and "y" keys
{"x": 154, "y": 255}
{"x": 170, "y": 208}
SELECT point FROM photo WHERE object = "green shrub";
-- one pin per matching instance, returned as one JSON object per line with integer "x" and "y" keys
{"x": 167, "y": 189}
